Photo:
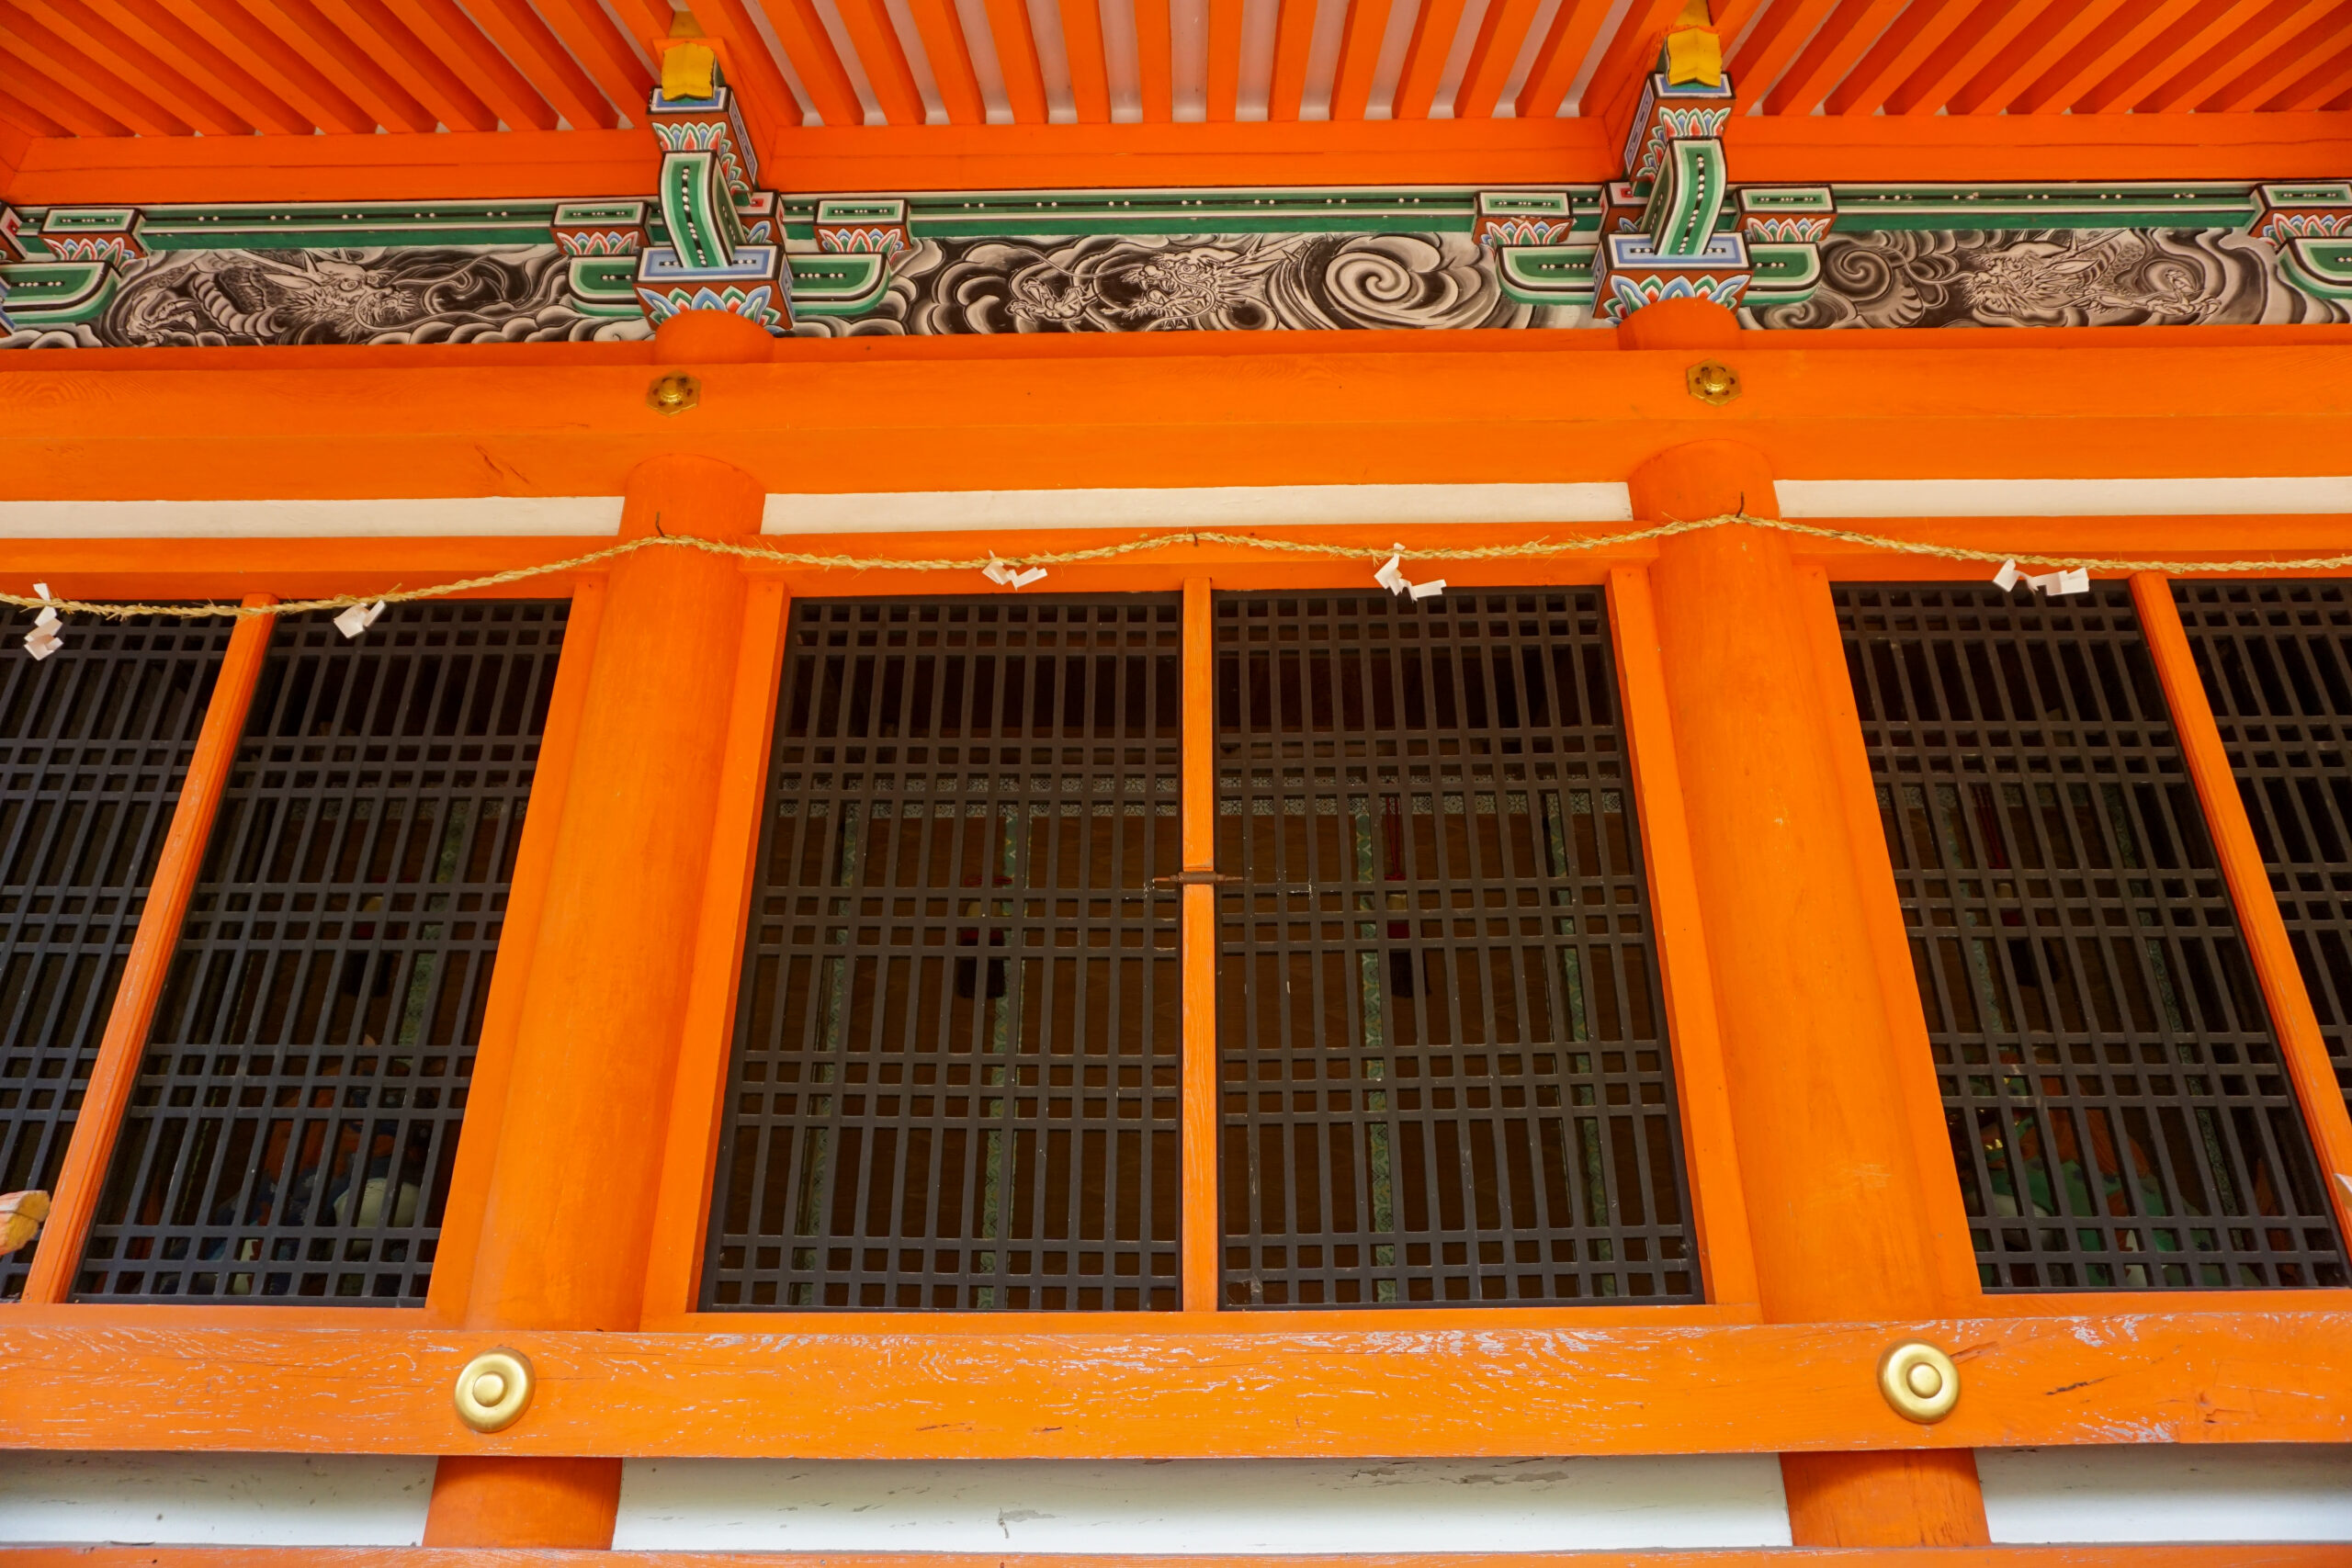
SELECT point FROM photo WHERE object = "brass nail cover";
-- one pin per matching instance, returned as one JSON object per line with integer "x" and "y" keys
{"x": 495, "y": 1390}
{"x": 673, "y": 394}
{"x": 1711, "y": 382}
{"x": 1920, "y": 1382}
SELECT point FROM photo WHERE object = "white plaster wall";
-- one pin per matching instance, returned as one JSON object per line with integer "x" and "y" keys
{"x": 2220, "y": 1492}
{"x": 214, "y": 1499}
{"x": 1204, "y": 1506}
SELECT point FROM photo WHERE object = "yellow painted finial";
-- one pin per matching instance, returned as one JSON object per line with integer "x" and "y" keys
{"x": 1693, "y": 52}
{"x": 688, "y": 69}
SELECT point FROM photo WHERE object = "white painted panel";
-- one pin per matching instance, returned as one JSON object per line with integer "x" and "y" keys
{"x": 2062, "y": 498}
{"x": 215, "y": 1499}
{"x": 1231, "y": 506}
{"x": 492, "y": 514}
{"x": 2159, "y": 1491}
{"x": 1203, "y": 1507}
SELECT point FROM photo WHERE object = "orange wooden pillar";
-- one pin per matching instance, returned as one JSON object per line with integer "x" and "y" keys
{"x": 1839, "y": 1196}
{"x": 568, "y": 1217}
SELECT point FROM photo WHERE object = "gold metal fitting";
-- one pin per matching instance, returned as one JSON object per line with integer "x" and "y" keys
{"x": 495, "y": 1390}
{"x": 1711, "y": 383}
{"x": 673, "y": 394}
{"x": 1920, "y": 1381}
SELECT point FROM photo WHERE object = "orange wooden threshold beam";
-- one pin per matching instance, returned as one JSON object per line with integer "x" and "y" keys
{"x": 867, "y": 413}
{"x": 1766, "y": 149}
{"x": 2198, "y": 1556}
{"x": 1259, "y": 1390}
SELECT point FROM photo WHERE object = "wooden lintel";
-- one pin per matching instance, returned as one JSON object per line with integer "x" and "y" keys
{"x": 836, "y": 1388}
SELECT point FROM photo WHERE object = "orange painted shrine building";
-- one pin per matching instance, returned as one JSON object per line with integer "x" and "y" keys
{"x": 1417, "y": 782}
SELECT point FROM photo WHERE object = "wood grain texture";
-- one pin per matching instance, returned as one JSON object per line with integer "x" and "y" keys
{"x": 811, "y": 1390}
{"x": 940, "y": 414}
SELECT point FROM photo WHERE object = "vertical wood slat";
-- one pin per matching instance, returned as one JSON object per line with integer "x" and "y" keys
{"x": 689, "y": 1161}
{"x": 1718, "y": 1208}
{"x": 1874, "y": 888}
{"x": 2265, "y": 931}
{"x": 149, "y": 962}
{"x": 1199, "y": 1265}
{"x": 453, "y": 1269}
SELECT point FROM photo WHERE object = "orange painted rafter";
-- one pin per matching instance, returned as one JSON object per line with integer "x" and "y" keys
{"x": 410, "y": 61}
{"x": 41, "y": 93}
{"x": 22, "y": 117}
{"x": 2315, "y": 90}
{"x": 1136, "y": 1385}
{"x": 1294, "y": 40}
{"x": 1425, "y": 52}
{"x": 148, "y": 964}
{"x": 1224, "y": 84}
{"x": 2249, "y": 39}
{"x": 301, "y": 25}
{"x": 1359, "y": 44}
{"x": 225, "y": 25}
{"x": 2274, "y": 72}
{"x": 1914, "y": 38}
{"x": 1629, "y": 59}
{"x": 134, "y": 61}
{"x": 771, "y": 107}
{"x": 1559, "y": 58}
{"x": 605, "y": 53}
{"x": 1016, "y": 59}
{"x": 1089, "y": 76}
{"x": 1502, "y": 32}
{"x": 2195, "y": 32}
{"x": 526, "y": 39}
{"x": 1822, "y": 64}
{"x": 2294, "y": 1023}
{"x": 1783, "y": 28}
{"x": 452, "y": 35}
{"x": 943, "y": 45}
{"x": 63, "y": 61}
{"x": 1987, "y": 30}
{"x": 1155, "y": 61}
{"x": 2100, "y": 50}
{"x": 877, "y": 44}
{"x": 2060, "y": 25}
{"x": 197, "y": 58}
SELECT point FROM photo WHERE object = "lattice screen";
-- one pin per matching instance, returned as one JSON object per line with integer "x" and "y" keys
{"x": 292, "y": 1129}
{"x": 94, "y": 743}
{"x": 1444, "y": 1063}
{"x": 954, "y": 1082}
{"x": 2118, "y": 1110}
{"x": 2276, "y": 658}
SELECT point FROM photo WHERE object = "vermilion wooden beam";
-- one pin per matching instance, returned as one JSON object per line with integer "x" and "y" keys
{"x": 1835, "y": 49}
{"x": 226, "y": 26}
{"x": 955, "y": 415}
{"x": 132, "y": 58}
{"x": 1202, "y": 1117}
{"x": 849, "y": 1388}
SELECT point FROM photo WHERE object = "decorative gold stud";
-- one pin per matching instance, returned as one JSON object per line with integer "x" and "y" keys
{"x": 1712, "y": 383}
{"x": 495, "y": 1390}
{"x": 673, "y": 394}
{"x": 1920, "y": 1381}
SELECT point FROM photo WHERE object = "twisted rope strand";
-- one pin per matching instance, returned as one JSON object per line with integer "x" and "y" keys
{"x": 1533, "y": 548}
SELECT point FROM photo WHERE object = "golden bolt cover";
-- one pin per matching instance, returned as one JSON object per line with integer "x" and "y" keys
{"x": 673, "y": 394}
{"x": 495, "y": 1390}
{"x": 1920, "y": 1382}
{"x": 1712, "y": 383}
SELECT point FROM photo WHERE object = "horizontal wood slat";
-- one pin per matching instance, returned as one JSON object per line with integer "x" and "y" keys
{"x": 865, "y": 1391}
